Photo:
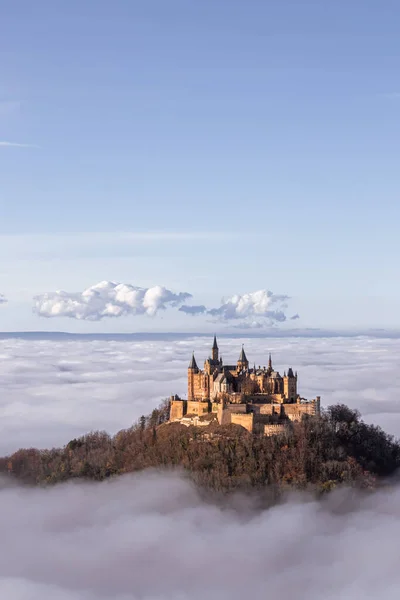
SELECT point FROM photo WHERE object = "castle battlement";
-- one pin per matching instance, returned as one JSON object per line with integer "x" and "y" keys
{"x": 251, "y": 397}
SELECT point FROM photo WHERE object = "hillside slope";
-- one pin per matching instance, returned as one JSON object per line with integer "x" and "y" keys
{"x": 320, "y": 452}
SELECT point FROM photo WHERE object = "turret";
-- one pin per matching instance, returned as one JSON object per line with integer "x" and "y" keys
{"x": 242, "y": 363}
{"x": 193, "y": 365}
{"x": 290, "y": 386}
{"x": 193, "y": 370}
{"x": 214, "y": 354}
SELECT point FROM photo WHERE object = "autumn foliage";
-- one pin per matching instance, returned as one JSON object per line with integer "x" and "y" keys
{"x": 320, "y": 452}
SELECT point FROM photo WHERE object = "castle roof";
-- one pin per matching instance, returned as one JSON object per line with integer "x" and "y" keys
{"x": 275, "y": 375}
{"x": 193, "y": 364}
{"x": 242, "y": 357}
{"x": 215, "y": 345}
{"x": 225, "y": 376}
{"x": 290, "y": 372}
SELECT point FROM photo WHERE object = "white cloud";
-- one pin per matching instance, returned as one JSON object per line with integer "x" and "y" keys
{"x": 3, "y": 299}
{"x": 151, "y": 537}
{"x": 108, "y": 299}
{"x": 255, "y": 308}
{"x": 5, "y": 144}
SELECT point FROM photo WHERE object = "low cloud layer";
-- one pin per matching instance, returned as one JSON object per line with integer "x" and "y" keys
{"x": 57, "y": 389}
{"x": 108, "y": 299}
{"x": 151, "y": 537}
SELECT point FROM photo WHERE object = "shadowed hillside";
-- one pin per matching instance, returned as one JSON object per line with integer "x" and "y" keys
{"x": 320, "y": 452}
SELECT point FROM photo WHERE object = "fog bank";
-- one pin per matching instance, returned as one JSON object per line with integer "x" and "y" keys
{"x": 150, "y": 536}
{"x": 56, "y": 390}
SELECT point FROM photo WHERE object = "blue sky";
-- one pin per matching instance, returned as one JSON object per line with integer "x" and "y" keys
{"x": 267, "y": 130}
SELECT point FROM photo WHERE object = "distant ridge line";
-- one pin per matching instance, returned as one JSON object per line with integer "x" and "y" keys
{"x": 143, "y": 336}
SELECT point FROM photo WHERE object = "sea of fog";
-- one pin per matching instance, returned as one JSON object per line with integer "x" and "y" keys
{"x": 57, "y": 387}
{"x": 150, "y": 536}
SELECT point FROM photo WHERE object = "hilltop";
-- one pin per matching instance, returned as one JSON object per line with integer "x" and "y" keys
{"x": 320, "y": 452}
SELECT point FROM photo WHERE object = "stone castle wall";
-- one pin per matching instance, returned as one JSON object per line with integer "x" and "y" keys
{"x": 242, "y": 414}
{"x": 197, "y": 407}
{"x": 274, "y": 429}
{"x": 294, "y": 411}
{"x": 225, "y": 411}
{"x": 245, "y": 420}
{"x": 176, "y": 410}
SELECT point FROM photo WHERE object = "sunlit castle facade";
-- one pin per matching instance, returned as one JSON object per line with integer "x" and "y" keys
{"x": 236, "y": 393}
{"x": 218, "y": 379}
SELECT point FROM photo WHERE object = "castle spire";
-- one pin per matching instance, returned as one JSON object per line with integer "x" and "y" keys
{"x": 193, "y": 364}
{"x": 214, "y": 352}
{"x": 270, "y": 362}
{"x": 243, "y": 357}
{"x": 242, "y": 363}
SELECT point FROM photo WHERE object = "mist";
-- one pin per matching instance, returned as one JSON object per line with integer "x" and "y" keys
{"x": 54, "y": 390}
{"x": 151, "y": 536}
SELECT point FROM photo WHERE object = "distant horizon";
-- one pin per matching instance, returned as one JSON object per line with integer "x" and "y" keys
{"x": 310, "y": 332}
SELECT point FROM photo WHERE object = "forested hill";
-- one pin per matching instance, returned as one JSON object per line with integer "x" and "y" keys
{"x": 320, "y": 453}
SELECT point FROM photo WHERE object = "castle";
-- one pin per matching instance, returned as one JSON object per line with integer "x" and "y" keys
{"x": 258, "y": 399}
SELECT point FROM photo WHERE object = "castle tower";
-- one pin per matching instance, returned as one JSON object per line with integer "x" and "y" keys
{"x": 193, "y": 370}
{"x": 214, "y": 354}
{"x": 290, "y": 386}
{"x": 269, "y": 369}
{"x": 242, "y": 363}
